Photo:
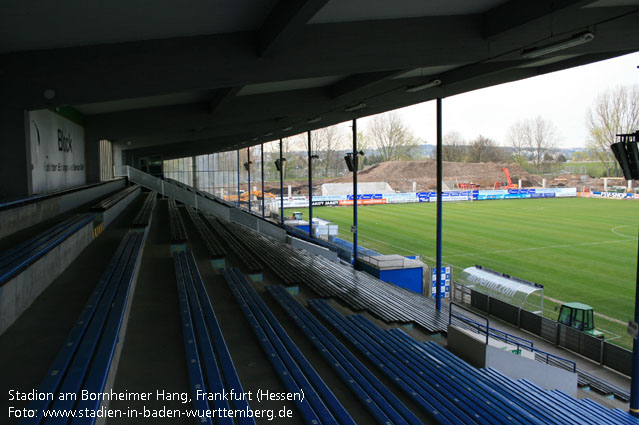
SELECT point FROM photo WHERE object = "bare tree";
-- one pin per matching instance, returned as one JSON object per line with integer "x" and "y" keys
{"x": 544, "y": 137}
{"x": 454, "y": 147}
{"x": 390, "y": 136}
{"x": 533, "y": 139}
{"x": 483, "y": 149}
{"x": 519, "y": 138}
{"x": 612, "y": 112}
{"x": 326, "y": 142}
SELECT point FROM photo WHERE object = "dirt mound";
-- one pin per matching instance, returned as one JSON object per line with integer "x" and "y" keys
{"x": 401, "y": 174}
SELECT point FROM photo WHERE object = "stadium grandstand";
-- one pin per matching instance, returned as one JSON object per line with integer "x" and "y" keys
{"x": 147, "y": 276}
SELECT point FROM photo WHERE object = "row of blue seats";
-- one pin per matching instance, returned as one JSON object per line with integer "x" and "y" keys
{"x": 445, "y": 408}
{"x": 463, "y": 392}
{"x": 85, "y": 359}
{"x": 21, "y": 256}
{"x": 555, "y": 406}
{"x": 319, "y": 405}
{"x": 209, "y": 364}
{"x": 383, "y": 405}
{"x": 143, "y": 218}
{"x": 112, "y": 200}
{"x": 6, "y": 204}
{"x": 178, "y": 231}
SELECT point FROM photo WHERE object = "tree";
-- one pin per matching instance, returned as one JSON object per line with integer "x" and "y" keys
{"x": 613, "y": 112}
{"x": 519, "y": 138}
{"x": 390, "y": 136}
{"x": 544, "y": 138}
{"x": 533, "y": 139}
{"x": 561, "y": 158}
{"x": 325, "y": 143}
{"x": 453, "y": 147}
{"x": 483, "y": 149}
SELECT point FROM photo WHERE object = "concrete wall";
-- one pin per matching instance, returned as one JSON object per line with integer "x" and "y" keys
{"x": 480, "y": 355}
{"x": 330, "y": 189}
{"x": 271, "y": 230}
{"x": 19, "y": 293}
{"x": 18, "y": 218}
{"x": 312, "y": 248}
{"x": 465, "y": 347}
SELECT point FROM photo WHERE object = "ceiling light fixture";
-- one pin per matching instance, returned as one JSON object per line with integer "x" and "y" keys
{"x": 356, "y": 107}
{"x": 314, "y": 119}
{"x": 287, "y": 128}
{"x": 268, "y": 134}
{"x": 433, "y": 83}
{"x": 575, "y": 40}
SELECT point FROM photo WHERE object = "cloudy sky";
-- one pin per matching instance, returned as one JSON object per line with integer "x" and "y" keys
{"x": 562, "y": 97}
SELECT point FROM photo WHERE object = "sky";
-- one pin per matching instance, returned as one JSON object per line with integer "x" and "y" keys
{"x": 562, "y": 97}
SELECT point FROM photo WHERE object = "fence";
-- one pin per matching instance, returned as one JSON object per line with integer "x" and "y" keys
{"x": 593, "y": 348}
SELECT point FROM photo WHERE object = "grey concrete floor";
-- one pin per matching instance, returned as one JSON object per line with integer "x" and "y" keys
{"x": 153, "y": 357}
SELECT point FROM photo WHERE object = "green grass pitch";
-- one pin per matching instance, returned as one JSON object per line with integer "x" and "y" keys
{"x": 580, "y": 249}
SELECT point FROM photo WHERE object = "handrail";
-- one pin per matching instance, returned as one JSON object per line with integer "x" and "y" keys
{"x": 548, "y": 355}
{"x": 451, "y": 315}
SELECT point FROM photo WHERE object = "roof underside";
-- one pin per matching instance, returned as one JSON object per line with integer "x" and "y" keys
{"x": 192, "y": 77}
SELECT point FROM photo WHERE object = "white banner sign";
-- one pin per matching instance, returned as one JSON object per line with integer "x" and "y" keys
{"x": 57, "y": 152}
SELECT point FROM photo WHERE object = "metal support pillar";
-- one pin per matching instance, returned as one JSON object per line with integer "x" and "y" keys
{"x": 248, "y": 170}
{"x": 194, "y": 171}
{"x": 438, "y": 280}
{"x": 238, "y": 178}
{"x": 310, "y": 187}
{"x": 634, "y": 383}
{"x": 262, "y": 165}
{"x": 281, "y": 185}
{"x": 355, "y": 167}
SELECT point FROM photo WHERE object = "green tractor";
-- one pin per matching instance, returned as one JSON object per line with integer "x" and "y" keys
{"x": 579, "y": 316}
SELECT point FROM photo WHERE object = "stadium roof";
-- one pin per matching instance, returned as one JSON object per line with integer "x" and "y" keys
{"x": 195, "y": 76}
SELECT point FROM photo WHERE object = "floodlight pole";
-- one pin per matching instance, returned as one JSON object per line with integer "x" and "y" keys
{"x": 262, "y": 165}
{"x": 438, "y": 265}
{"x": 310, "y": 187}
{"x": 634, "y": 383}
{"x": 355, "y": 164}
{"x": 238, "y": 177}
{"x": 248, "y": 170}
{"x": 281, "y": 186}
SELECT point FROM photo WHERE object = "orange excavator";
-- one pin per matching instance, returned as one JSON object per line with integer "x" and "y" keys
{"x": 509, "y": 184}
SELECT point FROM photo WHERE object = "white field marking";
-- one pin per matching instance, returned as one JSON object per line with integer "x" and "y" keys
{"x": 540, "y": 247}
{"x": 614, "y": 230}
{"x": 603, "y": 316}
